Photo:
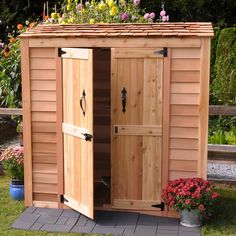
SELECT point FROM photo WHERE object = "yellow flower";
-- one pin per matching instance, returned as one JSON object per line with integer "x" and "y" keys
{"x": 111, "y": 3}
{"x": 101, "y": 6}
{"x": 92, "y": 21}
{"x": 93, "y": 3}
{"x": 83, "y": 10}
{"x": 107, "y": 1}
{"x": 68, "y": 7}
{"x": 113, "y": 11}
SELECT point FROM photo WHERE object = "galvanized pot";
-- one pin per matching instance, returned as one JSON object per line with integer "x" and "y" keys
{"x": 190, "y": 218}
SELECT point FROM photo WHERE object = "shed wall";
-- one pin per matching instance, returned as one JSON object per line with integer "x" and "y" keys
{"x": 184, "y": 112}
{"x": 184, "y": 132}
{"x": 44, "y": 117}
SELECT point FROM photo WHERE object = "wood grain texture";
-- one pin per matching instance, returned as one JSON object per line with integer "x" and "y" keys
{"x": 204, "y": 107}
{"x": 166, "y": 119}
{"x": 78, "y": 154}
{"x": 26, "y": 100}
{"x": 136, "y": 156}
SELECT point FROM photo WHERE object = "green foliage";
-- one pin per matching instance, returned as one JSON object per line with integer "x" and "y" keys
{"x": 13, "y": 169}
{"x": 222, "y": 130}
{"x": 223, "y": 221}
{"x": 224, "y": 84}
{"x": 10, "y": 76}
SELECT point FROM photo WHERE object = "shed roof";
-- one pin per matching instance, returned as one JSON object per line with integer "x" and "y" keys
{"x": 175, "y": 29}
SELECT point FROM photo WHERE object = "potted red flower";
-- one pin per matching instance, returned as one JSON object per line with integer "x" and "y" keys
{"x": 192, "y": 197}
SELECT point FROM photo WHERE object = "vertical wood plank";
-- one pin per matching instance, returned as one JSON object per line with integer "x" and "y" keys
{"x": 204, "y": 106}
{"x": 166, "y": 119}
{"x": 25, "y": 71}
{"x": 59, "y": 137}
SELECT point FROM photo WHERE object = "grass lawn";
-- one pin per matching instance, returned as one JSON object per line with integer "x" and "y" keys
{"x": 10, "y": 210}
{"x": 223, "y": 223}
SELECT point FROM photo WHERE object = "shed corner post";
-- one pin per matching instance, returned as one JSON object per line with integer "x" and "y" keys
{"x": 204, "y": 106}
{"x": 59, "y": 137}
{"x": 26, "y": 104}
{"x": 166, "y": 119}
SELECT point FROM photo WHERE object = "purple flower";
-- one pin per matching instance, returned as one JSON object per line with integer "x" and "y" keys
{"x": 167, "y": 18}
{"x": 124, "y": 16}
{"x": 146, "y": 16}
{"x": 163, "y": 13}
{"x": 136, "y": 2}
{"x": 1, "y": 45}
{"x": 164, "y": 18}
{"x": 152, "y": 15}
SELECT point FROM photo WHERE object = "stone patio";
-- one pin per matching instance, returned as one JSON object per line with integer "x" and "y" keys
{"x": 114, "y": 223}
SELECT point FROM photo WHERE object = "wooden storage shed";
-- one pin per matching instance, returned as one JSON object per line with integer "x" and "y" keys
{"x": 111, "y": 112}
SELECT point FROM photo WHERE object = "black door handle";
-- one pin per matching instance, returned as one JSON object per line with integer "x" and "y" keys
{"x": 88, "y": 137}
{"x": 81, "y": 102}
{"x": 124, "y": 92}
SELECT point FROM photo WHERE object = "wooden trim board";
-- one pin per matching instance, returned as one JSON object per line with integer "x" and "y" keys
{"x": 25, "y": 71}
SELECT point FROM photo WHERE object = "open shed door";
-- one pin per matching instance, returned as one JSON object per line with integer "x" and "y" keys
{"x": 78, "y": 129}
{"x": 137, "y": 75}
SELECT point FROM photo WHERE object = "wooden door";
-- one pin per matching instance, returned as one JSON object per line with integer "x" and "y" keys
{"x": 78, "y": 129}
{"x": 136, "y": 127}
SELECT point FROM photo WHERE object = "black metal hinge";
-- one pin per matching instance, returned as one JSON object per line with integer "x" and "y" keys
{"x": 161, "y": 206}
{"x": 63, "y": 199}
{"x": 162, "y": 52}
{"x": 60, "y": 52}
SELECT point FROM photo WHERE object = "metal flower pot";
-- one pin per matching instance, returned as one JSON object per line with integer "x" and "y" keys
{"x": 190, "y": 218}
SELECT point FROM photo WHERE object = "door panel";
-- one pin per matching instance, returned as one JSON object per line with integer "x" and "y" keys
{"x": 77, "y": 121}
{"x": 137, "y": 132}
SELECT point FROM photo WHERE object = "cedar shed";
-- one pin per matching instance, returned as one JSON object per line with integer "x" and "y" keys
{"x": 111, "y": 112}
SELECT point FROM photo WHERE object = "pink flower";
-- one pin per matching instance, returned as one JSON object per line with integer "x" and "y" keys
{"x": 79, "y": 7}
{"x": 214, "y": 195}
{"x": 124, "y": 16}
{"x": 162, "y": 13}
{"x": 201, "y": 207}
{"x": 146, "y": 16}
{"x": 187, "y": 201}
{"x": 136, "y": 2}
{"x": 172, "y": 203}
{"x": 152, "y": 15}
{"x": 164, "y": 18}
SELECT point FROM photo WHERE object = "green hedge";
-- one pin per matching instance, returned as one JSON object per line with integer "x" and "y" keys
{"x": 223, "y": 74}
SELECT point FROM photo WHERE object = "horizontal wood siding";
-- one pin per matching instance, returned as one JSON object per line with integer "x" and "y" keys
{"x": 43, "y": 113}
{"x": 184, "y": 112}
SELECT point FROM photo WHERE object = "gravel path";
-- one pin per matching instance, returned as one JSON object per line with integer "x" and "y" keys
{"x": 222, "y": 171}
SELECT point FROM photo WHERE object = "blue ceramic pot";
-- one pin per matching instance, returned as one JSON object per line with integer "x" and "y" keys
{"x": 17, "y": 190}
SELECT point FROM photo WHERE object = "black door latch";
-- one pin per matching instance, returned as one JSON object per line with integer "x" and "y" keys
{"x": 88, "y": 137}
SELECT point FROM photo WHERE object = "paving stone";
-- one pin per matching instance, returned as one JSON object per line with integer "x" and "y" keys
{"x": 56, "y": 228}
{"x": 148, "y": 220}
{"x": 129, "y": 230}
{"x": 48, "y": 211}
{"x": 90, "y": 223}
{"x": 81, "y": 229}
{"x": 30, "y": 209}
{"x": 106, "y": 218}
{"x": 126, "y": 219}
{"x": 107, "y": 230}
{"x": 189, "y": 233}
{"x": 169, "y": 227}
{"x": 62, "y": 220}
{"x": 47, "y": 219}
{"x": 187, "y": 229}
{"x": 142, "y": 230}
{"x": 70, "y": 213}
{"x": 36, "y": 226}
{"x": 25, "y": 221}
{"x": 82, "y": 221}
{"x": 71, "y": 221}
{"x": 169, "y": 232}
